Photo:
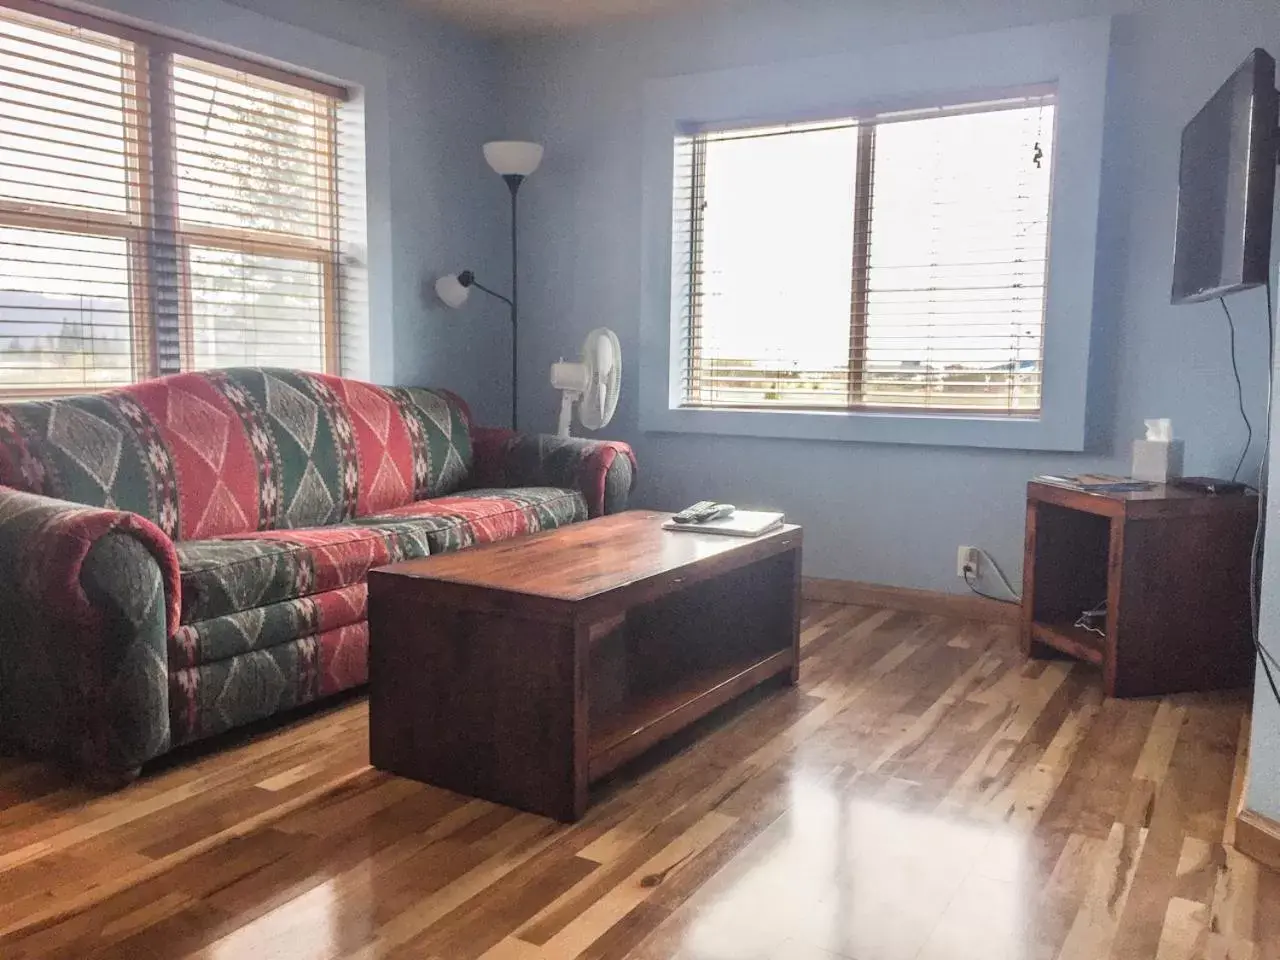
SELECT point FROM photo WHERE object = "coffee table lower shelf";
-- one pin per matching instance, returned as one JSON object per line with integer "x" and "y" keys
{"x": 646, "y": 721}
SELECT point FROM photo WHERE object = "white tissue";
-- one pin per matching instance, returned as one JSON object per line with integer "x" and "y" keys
{"x": 1159, "y": 430}
{"x": 1159, "y": 457}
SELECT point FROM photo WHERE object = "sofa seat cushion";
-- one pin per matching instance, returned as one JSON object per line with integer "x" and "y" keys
{"x": 246, "y": 572}
{"x": 233, "y": 574}
{"x": 209, "y": 641}
{"x": 483, "y": 516}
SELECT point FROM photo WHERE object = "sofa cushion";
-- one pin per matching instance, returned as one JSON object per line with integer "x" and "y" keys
{"x": 483, "y": 516}
{"x": 232, "y": 574}
{"x": 228, "y": 575}
{"x": 208, "y": 641}
{"x": 234, "y": 451}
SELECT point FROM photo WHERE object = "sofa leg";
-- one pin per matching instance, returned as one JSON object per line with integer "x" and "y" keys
{"x": 108, "y": 781}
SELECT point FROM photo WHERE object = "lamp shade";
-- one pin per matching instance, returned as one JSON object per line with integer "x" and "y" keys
{"x": 452, "y": 291}
{"x": 513, "y": 157}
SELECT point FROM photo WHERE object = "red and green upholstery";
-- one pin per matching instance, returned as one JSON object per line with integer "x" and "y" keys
{"x": 189, "y": 554}
{"x": 603, "y": 471}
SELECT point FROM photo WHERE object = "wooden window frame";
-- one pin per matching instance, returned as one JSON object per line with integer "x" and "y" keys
{"x": 152, "y": 227}
{"x": 697, "y": 385}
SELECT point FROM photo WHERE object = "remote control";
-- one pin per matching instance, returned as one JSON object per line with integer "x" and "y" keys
{"x": 695, "y": 513}
{"x": 722, "y": 511}
{"x": 704, "y": 511}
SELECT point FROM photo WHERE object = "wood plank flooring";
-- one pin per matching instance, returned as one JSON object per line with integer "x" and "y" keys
{"x": 924, "y": 794}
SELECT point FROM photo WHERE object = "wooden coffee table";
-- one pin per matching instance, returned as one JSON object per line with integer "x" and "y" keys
{"x": 523, "y": 671}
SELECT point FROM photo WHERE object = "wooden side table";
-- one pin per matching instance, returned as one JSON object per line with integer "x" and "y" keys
{"x": 1173, "y": 567}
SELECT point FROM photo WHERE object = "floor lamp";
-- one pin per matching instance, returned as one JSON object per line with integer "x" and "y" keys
{"x": 513, "y": 160}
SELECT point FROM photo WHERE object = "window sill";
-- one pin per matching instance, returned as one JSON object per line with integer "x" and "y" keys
{"x": 929, "y": 429}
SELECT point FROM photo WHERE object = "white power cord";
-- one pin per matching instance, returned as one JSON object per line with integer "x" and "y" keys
{"x": 970, "y": 578}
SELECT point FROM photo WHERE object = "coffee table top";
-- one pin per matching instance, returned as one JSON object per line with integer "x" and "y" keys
{"x": 584, "y": 560}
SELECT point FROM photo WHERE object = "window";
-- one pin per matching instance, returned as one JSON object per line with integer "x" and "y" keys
{"x": 892, "y": 262}
{"x": 162, "y": 207}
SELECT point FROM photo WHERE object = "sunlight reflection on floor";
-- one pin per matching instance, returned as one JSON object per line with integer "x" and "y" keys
{"x": 305, "y": 928}
{"x": 858, "y": 878}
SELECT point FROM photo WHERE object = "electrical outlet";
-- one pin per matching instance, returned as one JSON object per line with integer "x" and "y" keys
{"x": 968, "y": 561}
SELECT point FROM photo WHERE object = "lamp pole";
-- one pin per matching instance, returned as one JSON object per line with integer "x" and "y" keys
{"x": 513, "y": 181}
{"x": 513, "y": 160}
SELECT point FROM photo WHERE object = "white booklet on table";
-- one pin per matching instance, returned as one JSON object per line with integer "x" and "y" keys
{"x": 743, "y": 523}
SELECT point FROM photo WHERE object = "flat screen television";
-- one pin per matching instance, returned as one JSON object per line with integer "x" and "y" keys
{"x": 1227, "y": 185}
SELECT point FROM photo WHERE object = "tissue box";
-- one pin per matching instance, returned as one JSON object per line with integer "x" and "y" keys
{"x": 1157, "y": 461}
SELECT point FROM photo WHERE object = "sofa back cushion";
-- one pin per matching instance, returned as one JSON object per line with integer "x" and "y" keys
{"x": 235, "y": 451}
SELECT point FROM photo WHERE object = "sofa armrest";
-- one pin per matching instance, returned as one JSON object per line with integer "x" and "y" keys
{"x": 603, "y": 471}
{"x": 88, "y": 600}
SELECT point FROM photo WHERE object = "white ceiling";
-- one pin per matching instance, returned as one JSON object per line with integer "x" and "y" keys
{"x": 522, "y": 16}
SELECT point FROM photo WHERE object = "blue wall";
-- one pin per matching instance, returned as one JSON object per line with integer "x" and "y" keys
{"x": 876, "y": 512}
{"x": 1264, "y": 773}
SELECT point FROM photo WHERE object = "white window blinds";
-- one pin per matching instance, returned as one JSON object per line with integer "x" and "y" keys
{"x": 162, "y": 207}
{"x": 71, "y": 209}
{"x": 884, "y": 262}
{"x": 255, "y": 185}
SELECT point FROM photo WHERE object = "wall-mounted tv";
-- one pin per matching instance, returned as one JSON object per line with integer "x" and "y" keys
{"x": 1226, "y": 186}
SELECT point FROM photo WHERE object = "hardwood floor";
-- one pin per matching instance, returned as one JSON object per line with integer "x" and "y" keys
{"x": 924, "y": 793}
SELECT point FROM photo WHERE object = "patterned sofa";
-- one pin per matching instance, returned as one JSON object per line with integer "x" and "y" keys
{"x": 187, "y": 555}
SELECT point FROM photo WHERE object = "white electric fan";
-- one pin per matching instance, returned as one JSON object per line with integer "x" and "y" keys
{"x": 593, "y": 383}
